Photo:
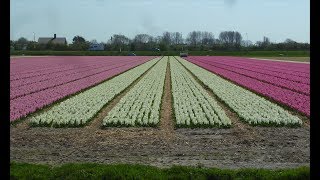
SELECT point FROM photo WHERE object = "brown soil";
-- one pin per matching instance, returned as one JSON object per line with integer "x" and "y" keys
{"x": 236, "y": 147}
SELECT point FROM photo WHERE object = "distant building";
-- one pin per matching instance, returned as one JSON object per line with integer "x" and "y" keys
{"x": 96, "y": 47}
{"x": 54, "y": 40}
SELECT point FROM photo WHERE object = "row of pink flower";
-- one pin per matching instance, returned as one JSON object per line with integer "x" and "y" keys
{"x": 292, "y": 99}
{"x": 268, "y": 68}
{"x": 25, "y": 105}
{"x": 56, "y": 81}
{"x": 278, "y": 69}
{"x": 94, "y": 68}
{"x": 45, "y": 71}
{"x": 34, "y": 64}
{"x": 302, "y": 67}
{"x": 303, "y": 72}
{"x": 292, "y": 85}
{"x": 47, "y": 65}
{"x": 38, "y": 76}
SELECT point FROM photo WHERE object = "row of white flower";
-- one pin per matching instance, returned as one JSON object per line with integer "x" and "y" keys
{"x": 250, "y": 107}
{"x": 141, "y": 105}
{"x": 79, "y": 109}
{"x": 192, "y": 104}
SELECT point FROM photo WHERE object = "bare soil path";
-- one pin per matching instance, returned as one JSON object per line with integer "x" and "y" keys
{"x": 305, "y": 60}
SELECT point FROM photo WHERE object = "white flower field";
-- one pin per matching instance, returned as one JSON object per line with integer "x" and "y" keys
{"x": 141, "y": 106}
{"x": 250, "y": 107}
{"x": 192, "y": 105}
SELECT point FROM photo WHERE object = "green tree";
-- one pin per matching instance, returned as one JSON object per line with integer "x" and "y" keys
{"x": 22, "y": 41}
{"x": 78, "y": 39}
{"x": 20, "y": 44}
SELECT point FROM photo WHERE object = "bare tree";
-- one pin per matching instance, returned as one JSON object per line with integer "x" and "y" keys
{"x": 166, "y": 38}
{"x": 94, "y": 41}
{"x": 264, "y": 43}
{"x": 289, "y": 41}
{"x": 238, "y": 39}
{"x": 266, "y": 40}
{"x": 119, "y": 41}
{"x": 207, "y": 38}
{"x": 194, "y": 38}
{"x": 142, "y": 41}
{"x": 246, "y": 43}
{"x": 230, "y": 38}
{"x": 141, "y": 38}
{"x": 177, "y": 38}
{"x": 223, "y": 37}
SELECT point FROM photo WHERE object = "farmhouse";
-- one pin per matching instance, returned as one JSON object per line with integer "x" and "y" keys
{"x": 54, "y": 40}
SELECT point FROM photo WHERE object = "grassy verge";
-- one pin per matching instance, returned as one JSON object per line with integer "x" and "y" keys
{"x": 298, "y": 59}
{"x": 124, "y": 171}
{"x": 165, "y": 53}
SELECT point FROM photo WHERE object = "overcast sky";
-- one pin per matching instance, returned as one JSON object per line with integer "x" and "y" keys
{"x": 100, "y": 19}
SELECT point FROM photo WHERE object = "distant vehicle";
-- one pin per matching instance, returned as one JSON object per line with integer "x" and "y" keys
{"x": 96, "y": 47}
{"x": 132, "y": 54}
{"x": 183, "y": 54}
{"x": 154, "y": 49}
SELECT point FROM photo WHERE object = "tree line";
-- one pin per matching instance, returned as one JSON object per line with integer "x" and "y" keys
{"x": 168, "y": 41}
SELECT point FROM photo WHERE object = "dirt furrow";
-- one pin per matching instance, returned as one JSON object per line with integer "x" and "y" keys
{"x": 166, "y": 119}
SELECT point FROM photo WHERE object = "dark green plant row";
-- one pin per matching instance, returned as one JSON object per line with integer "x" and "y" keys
{"x": 164, "y": 53}
{"x": 125, "y": 171}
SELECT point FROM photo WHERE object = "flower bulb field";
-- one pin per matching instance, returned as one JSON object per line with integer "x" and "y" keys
{"x": 214, "y": 111}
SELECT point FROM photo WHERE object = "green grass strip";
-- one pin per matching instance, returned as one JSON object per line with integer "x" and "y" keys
{"x": 124, "y": 171}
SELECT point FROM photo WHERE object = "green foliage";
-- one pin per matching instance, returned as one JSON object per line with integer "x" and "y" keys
{"x": 172, "y": 41}
{"x": 125, "y": 171}
{"x": 166, "y": 53}
{"x": 78, "y": 40}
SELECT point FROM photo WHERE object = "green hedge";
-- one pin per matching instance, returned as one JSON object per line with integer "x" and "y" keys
{"x": 165, "y": 53}
{"x": 122, "y": 171}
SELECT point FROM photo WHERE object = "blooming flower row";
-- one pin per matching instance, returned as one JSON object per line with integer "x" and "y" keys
{"x": 250, "y": 107}
{"x": 271, "y": 71}
{"x": 77, "y": 69}
{"x": 295, "y": 100}
{"x": 30, "y": 67}
{"x": 80, "y": 109}
{"x": 192, "y": 105}
{"x": 269, "y": 65}
{"x": 40, "y": 66}
{"x": 141, "y": 105}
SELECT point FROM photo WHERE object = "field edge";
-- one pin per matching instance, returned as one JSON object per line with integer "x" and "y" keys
{"x": 127, "y": 171}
